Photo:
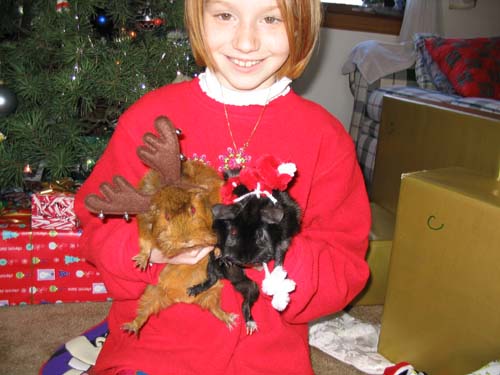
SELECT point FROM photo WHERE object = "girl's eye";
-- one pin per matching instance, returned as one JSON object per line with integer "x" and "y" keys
{"x": 271, "y": 20}
{"x": 224, "y": 16}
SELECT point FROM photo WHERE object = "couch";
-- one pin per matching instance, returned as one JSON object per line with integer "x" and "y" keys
{"x": 456, "y": 73}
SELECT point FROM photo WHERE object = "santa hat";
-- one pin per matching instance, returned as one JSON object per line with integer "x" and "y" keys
{"x": 266, "y": 175}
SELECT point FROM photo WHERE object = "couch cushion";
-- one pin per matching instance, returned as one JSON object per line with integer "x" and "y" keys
{"x": 427, "y": 71}
{"x": 471, "y": 65}
{"x": 374, "y": 102}
{"x": 366, "y": 149}
{"x": 483, "y": 104}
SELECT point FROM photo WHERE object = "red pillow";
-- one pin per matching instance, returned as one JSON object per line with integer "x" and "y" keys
{"x": 471, "y": 65}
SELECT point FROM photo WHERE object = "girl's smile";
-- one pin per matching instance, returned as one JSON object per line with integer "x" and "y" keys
{"x": 247, "y": 41}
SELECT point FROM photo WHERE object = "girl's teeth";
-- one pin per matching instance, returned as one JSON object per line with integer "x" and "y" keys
{"x": 245, "y": 64}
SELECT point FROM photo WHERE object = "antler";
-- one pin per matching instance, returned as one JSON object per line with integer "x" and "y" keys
{"x": 162, "y": 153}
{"x": 120, "y": 199}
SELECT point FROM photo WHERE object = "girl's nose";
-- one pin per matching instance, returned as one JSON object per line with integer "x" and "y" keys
{"x": 246, "y": 38}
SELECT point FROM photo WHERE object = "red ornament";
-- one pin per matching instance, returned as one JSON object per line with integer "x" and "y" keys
{"x": 158, "y": 21}
{"x": 62, "y": 5}
{"x": 146, "y": 21}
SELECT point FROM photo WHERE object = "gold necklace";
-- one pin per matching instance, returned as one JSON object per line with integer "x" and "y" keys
{"x": 236, "y": 157}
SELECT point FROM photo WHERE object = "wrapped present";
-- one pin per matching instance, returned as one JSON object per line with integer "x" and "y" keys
{"x": 13, "y": 216}
{"x": 15, "y": 260}
{"x": 44, "y": 266}
{"x": 60, "y": 273}
{"x": 53, "y": 210}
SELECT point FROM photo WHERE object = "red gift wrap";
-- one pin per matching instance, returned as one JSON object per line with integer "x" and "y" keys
{"x": 53, "y": 211}
{"x": 13, "y": 216}
{"x": 15, "y": 260}
{"x": 60, "y": 274}
{"x": 44, "y": 266}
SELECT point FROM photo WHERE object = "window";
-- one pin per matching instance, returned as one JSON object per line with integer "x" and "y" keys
{"x": 375, "y": 19}
{"x": 349, "y": 2}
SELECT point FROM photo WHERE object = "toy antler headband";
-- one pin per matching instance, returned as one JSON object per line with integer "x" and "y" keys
{"x": 161, "y": 153}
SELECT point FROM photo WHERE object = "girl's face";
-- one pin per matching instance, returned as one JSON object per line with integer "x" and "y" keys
{"x": 247, "y": 41}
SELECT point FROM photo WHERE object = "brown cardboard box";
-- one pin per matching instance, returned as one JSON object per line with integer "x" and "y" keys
{"x": 416, "y": 135}
{"x": 378, "y": 256}
{"x": 442, "y": 307}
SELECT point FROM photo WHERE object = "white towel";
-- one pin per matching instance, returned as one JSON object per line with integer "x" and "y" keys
{"x": 375, "y": 59}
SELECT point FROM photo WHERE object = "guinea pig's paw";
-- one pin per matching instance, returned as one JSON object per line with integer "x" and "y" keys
{"x": 141, "y": 261}
{"x": 231, "y": 321}
{"x": 251, "y": 327}
{"x": 131, "y": 327}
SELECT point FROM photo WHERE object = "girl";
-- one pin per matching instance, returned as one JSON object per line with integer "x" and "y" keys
{"x": 241, "y": 107}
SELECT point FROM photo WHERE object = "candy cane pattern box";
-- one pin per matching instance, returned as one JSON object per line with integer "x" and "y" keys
{"x": 60, "y": 273}
{"x": 53, "y": 211}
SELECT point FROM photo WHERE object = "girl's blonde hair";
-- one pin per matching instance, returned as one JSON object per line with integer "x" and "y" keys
{"x": 302, "y": 21}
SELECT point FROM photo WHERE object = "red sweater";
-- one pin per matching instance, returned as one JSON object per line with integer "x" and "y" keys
{"x": 326, "y": 259}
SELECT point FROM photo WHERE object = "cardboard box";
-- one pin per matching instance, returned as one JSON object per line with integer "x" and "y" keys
{"x": 417, "y": 136}
{"x": 44, "y": 266}
{"x": 378, "y": 257}
{"x": 442, "y": 307}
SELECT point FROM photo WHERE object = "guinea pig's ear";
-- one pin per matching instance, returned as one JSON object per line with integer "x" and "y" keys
{"x": 224, "y": 211}
{"x": 272, "y": 214}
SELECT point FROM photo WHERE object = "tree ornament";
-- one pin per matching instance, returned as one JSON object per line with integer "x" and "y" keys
{"x": 145, "y": 21}
{"x": 89, "y": 164}
{"x": 123, "y": 35}
{"x": 2, "y": 137}
{"x": 8, "y": 101}
{"x": 62, "y": 5}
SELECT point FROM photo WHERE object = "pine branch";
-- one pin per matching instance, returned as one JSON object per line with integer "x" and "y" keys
{"x": 73, "y": 82}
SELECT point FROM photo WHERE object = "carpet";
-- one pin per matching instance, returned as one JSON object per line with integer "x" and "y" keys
{"x": 31, "y": 334}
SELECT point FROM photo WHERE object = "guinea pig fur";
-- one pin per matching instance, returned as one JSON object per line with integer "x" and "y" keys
{"x": 250, "y": 232}
{"x": 179, "y": 218}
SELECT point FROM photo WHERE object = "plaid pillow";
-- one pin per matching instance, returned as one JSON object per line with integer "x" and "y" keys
{"x": 427, "y": 71}
{"x": 471, "y": 65}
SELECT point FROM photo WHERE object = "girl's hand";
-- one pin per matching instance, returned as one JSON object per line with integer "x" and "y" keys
{"x": 189, "y": 257}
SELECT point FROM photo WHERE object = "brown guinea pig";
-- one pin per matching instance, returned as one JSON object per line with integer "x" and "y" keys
{"x": 180, "y": 219}
{"x": 173, "y": 206}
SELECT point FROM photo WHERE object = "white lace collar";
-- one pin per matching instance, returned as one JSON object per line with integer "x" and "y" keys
{"x": 211, "y": 86}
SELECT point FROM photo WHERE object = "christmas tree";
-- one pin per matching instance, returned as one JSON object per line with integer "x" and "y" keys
{"x": 68, "y": 69}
